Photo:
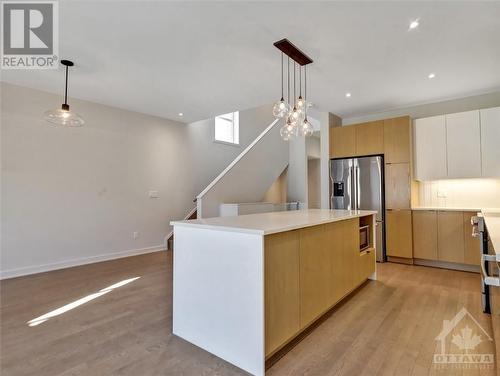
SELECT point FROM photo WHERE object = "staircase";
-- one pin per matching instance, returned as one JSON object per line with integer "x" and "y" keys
{"x": 249, "y": 176}
{"x": 246, "y": 179}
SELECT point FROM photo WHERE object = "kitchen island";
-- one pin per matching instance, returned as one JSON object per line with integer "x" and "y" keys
{"x": 245, "y": 286}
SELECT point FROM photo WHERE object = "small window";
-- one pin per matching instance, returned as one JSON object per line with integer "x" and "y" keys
{"x": 227, "y": 128}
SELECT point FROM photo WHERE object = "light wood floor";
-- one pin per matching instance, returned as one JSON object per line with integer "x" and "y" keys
{"x": 387, "y": 328}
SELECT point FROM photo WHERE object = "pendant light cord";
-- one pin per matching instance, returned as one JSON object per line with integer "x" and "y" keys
{"x": 66, "y": 88}
{"x": 305, "y": 91}
{"x": 294, "y": 90}
{"x": 300, "y": 81}
{"x": 288, "y": 74}
{"x": 282, "y": 76}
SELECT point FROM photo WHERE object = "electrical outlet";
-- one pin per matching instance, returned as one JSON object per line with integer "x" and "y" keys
{"x": 135, "y": 234}
{"x": 441, "y": 194}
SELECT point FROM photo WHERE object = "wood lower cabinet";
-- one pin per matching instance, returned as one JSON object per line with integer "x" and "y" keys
{"x": 307, "y": 272}
{"x": 399, "y": 233}
{"x": 370, "y": 138}
{"x": 342, "y": 142}
{"x": 451, "y": 236}
{"x": 281, "y": 287}
{"x": 472, "y": 247}
{"x": 425, "y": 234}
{"x": 445, "y": 236}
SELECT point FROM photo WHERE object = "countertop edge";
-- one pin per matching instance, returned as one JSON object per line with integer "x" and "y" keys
{"x": 270, "y": 231}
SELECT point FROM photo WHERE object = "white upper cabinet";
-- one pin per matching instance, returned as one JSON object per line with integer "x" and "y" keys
{"x": 463, "y": 145}
{"x": 430, "y": 148}
{"x": 490, "y": 141}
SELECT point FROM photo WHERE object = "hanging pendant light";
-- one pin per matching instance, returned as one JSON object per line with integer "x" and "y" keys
{"x": 280, "y": 108}
{"x": 293, "y": 110}
{"x": 305, "y": 129}
{"x": 64, "y": 116}
{"x": 300, "y": 103}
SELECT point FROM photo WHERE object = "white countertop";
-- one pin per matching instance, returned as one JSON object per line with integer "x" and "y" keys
{"x": 271, "y": 223}
{"x": 492, "y": 220}
{"x": 447, "y": 209}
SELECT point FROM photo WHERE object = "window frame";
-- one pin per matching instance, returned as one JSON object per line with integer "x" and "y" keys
{"x": 235, "y": 123}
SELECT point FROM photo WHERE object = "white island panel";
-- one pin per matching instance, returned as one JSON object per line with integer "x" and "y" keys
{"x": 218, "y": 293}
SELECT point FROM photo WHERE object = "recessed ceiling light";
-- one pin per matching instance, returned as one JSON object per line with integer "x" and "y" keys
{"x": 348, "y": 95}
{"x": 413, "y": 24}
{"x": 431, "y": 75}
{"x": 181, "y": 114}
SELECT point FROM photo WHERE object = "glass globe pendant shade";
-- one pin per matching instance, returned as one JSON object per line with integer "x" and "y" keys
{"x": 64, "y": 117}
{"x": 306, "y": 129}
{"x": 295, "y": 115}
{"x": 280, "y": 109}
{"x": 300, "y": 104}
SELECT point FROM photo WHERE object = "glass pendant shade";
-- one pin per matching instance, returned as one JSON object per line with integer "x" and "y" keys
{"x": 64, "y": 117}
{"x": 306, "y": 129}
{"x": 280, "y": 109}
{"x": 300, "y": 104}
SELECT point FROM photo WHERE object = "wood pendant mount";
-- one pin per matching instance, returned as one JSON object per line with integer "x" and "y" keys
{"x": 289, "y": 49}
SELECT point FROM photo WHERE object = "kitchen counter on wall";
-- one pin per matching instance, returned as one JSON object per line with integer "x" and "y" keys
{"x": 245, "y": 286}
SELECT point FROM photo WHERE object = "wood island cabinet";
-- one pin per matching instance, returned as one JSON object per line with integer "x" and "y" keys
{"x": 308, "y": 271}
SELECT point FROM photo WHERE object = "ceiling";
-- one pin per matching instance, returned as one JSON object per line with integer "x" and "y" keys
{"x": 208, "y": 58}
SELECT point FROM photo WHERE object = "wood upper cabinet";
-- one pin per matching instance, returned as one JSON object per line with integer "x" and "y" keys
{"x": 399, "y": 233}
{"x": 490, "y": 136}
{"x": 463, "y": 145}
{"x": 451, "y": 236}
{"x": 430, "y": 148}
{"x": 472, "y": 247}
{"x": 370, "y": 138}
{"x": 425, "y": 238}
{"x": 281, "y": 288}
{"x": 397, "y": 186}
{"x": 342, "y": 142}
{"x": 397, "y": 140}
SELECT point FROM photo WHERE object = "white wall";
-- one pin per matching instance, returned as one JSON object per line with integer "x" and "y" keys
{"x": 209, "y": 157}
{"x": 75, "y": 195}
{"x": 432, "y": 109}
{"x": 460, "y": 193}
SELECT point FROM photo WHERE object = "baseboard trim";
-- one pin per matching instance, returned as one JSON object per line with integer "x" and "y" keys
{"x": 400, "y": 260}
{"x": 18, "y": 272}
{"x": 448, "y": 265}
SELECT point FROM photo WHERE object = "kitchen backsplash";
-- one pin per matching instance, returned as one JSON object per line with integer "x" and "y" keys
{"x": 460, "y": 193}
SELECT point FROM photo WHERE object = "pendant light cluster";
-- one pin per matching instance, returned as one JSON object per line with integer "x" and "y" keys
{"x": 294, "y": 109}
{"x": 64, "y": 116}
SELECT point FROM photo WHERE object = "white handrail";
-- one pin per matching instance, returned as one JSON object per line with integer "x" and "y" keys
{"x": 233, "y": 163}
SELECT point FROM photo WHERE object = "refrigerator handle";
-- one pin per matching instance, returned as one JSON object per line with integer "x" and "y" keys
{"x": 358, "y": 188}
{"x": 353, "y": 193}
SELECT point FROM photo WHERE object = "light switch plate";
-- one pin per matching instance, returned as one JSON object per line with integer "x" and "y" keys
{"x": 154, "y": 194}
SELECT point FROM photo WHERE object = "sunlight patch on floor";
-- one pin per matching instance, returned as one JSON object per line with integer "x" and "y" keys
{"x": 59, "y": 311}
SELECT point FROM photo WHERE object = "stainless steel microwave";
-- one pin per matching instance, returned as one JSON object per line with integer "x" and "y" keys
{"x": 364, "y": 237}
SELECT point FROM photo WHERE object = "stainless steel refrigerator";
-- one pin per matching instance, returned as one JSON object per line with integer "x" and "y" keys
{"x": 358, "y": 183}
